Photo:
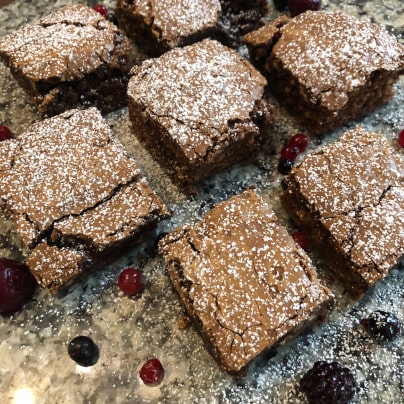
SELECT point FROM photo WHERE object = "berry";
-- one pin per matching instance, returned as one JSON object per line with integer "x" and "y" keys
{"x": 300, "y": 6}
{"x": 328, "y": 382}
{"x": 401, "y": 138}
{"x": 284, "y": 166}
{"x": 301, "y": 239}
{"x": 280, "y": 4}
{"x": 100, "y": 8}
{"x": 381, "y": 325}
{"x": 5, "y": 133}
{"x": 289, "y": 152}
{"x": 152, "y": 372}
{"x": 17, "y": 285}
{"x": 83, "y": 351}
{"x": 300, "y": 140}
{"x": 130, "y": 281}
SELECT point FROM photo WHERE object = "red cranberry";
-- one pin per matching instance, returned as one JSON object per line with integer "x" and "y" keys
{"x": 100, "y": 8}
{"x": 301, "y": 239}
{"x": 289, "y": 152}
{"x": 300, "y": 140}
{"x": 401, "y": 138}
{"x": 152, "y": 372}
{"x": 5, "y": 133}
{"x": 17, "y": 285}
{"x": 130, "y": 281}
{"x": 300, "y": 6}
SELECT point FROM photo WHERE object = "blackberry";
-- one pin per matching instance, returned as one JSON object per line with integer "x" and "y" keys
{"x": 381, "y": 325}
{"x": 328, "y": 382}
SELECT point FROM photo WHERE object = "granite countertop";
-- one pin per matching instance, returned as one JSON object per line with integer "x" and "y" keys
{"x": 34, "y": 364}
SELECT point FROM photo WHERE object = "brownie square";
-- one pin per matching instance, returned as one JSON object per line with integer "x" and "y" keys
{"x": 199, "y": 109}
{"x": 327, "y": 69}
{"x": 75, "y": 196}
{"x": 162, "y": 25}
{"x": 245, "y": 283}
{"x": 349, "y": 198}
{"x": 72, "y": 58}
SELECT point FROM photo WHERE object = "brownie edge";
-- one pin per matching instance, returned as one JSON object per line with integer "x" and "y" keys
{"x": 244, "y": 282}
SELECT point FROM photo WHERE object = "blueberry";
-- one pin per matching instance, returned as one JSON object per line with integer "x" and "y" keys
{"x": 83, "y": 351}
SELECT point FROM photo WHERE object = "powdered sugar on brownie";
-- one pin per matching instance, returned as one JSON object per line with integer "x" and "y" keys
{"x": 334, "y": 52}
{"x": 243, "y": 278}
{"x": 350, "y": 195}
{"x": 177, "y": 19}
{"x": 71, "y": 183}
{"x": 54, "y": 46}
{"x": 196, "y": 91}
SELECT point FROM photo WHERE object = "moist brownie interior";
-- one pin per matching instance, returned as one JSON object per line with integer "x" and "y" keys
{"x": 327, "y": 69}
{"x": 74, "y": 195}
{"x": 349, "y": 198}
{"x": 243, "y": 280}
{"x": 71, "y": 58}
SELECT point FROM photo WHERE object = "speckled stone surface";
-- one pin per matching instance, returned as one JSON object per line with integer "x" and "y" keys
{"x": 34, "y": 364}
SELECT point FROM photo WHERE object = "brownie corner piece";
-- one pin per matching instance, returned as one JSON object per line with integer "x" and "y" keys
{"x": 245, "y": 283}
{"x": 327, "y": 69}
{"x": 167, "y": 24}
{"x": 72, "y": 58}
{"x": 349, "y": 198}
{"x": 199, "y": 109}
{"x": 71, "y": 189}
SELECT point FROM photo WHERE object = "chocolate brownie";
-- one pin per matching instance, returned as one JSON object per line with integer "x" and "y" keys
{"x": 160, "y": 25}
{"x": 199, "y": 109}
{"x": 73, "y": 58}
{"x": 327, "y": 69}
{"x": 77, "y": 199}
{"x": 245, "y": 283}
{"x": 349, "y": 198}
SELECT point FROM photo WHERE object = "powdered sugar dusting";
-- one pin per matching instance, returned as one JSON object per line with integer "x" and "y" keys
{"x": 196, "y": 91}
{"x": 340, "y": 49}
{"x": 33, "y": 343}
{"x": 174, "y": 19}
{"x": 249, "y": 283}
{"x": 53, "y": 47}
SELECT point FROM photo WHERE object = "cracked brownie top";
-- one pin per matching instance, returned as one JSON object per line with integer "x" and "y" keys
{"x": 172, "y": 21}
{"x": 332, "y": 54}
{"x": 355, "y": 187}
{"x": 64, "y": 168}
{"x": 65, "y": 46}
{"x": 196, "y": 92}
{"x": 247, "y": 281}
